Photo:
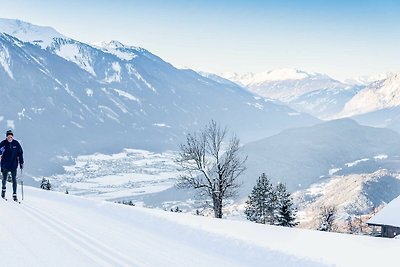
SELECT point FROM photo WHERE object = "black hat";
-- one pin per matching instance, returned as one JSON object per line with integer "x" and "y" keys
{"x": 9, "y": 132}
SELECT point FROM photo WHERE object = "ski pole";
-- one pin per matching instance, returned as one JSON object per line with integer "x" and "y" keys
{"x": 22, "y": 185}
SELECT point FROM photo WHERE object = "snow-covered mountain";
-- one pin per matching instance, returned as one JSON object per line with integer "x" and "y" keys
{"x": 324, "y": 103}
{"x": 40, "y": 35}
{"x": 251, "y": 78}
{"x": 376, "y": 105}
{"x": 379, "y": 95}
{"x": 313, "y": 93}
{"x": 55, "y": 229}
{"x": 109, "y": 97}
{"x": 368, "y": 79}
{"x": 284, "y": 84}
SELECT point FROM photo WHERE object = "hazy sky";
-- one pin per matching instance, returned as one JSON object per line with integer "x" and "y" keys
{"x": 340, "y": 38}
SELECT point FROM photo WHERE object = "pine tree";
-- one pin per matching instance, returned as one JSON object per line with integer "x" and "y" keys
{"x": 262, "y": 202}
{"x": 285, "y": 213}
{"x": 45, "y": 184}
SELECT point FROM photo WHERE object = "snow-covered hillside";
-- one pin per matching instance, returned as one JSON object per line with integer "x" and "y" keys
{"x": 352, "y": 195}
{"x": 55, "y": 229}
{"x": 376, "y": 105}
{"x": 383, "y": 94}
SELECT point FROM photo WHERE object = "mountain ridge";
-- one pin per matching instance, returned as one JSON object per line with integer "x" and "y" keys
{"x": 98, "y": 102}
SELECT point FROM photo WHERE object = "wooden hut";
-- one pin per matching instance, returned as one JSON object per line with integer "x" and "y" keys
{"x": 388, "y": 219}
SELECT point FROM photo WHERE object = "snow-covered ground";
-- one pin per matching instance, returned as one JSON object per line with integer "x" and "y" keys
{"x": 119, "y": 176}
{"x": 55, "y": 229}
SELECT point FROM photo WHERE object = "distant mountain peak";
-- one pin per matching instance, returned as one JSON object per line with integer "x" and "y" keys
{"x": 368, "y": 79}
{"x": 27, "y": 32}
{"x": 277, "y": 75}
{"x": 112, "y": 44}
{"x": 125, "y": 52}
{"x": 281, "y": 75}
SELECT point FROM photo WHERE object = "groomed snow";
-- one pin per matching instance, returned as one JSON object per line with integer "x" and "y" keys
{"x": 55, "y": 229}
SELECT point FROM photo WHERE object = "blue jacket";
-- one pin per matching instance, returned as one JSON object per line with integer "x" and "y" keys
{"x": 11, "y": 155}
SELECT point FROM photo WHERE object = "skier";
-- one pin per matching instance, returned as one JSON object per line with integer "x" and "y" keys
{"x": 11, "y": 155}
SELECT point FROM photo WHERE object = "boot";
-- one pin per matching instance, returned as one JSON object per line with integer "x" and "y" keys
{"x": 3, "y": 192}
{"x": 15, "y": 197}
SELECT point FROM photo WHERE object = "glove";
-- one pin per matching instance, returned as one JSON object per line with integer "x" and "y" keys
{"x": 21, "y": 166}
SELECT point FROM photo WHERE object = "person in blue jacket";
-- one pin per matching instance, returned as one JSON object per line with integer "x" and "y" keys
{"x": 11, "y": 155}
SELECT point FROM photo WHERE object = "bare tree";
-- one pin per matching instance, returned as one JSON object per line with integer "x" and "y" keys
{"x": 211, "y": 165}
{"x": 327, "y": 219}
{"x": 351, "y": 227}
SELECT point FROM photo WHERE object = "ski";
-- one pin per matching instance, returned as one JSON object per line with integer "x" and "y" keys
{"x": 17, "y": 201}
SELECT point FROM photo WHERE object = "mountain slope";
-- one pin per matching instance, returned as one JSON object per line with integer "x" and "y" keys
{"x": 313, "y": 93}
{"x": 300, "y": 157}
{"x": 284, "y": 84}
{"x": 324, "y": 103}
{"x": 104, "y": 99}
{"x": 379, "y": 95}
{"x": 39, "y": 35}
{"x": 376, "y": 105}
{"x": 352, "y": 195}
{"x": 53, "y": 229}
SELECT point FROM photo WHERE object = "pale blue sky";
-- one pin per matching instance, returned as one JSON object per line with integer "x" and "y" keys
{"x": 341, "y": 38}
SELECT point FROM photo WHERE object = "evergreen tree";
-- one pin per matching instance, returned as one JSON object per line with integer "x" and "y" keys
{"x": 285, "y": 212}
{"x": 45, "y": 184}
{"x": 262, "y": 202}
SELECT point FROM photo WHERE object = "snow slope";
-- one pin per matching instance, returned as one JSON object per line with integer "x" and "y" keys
{"x": 382, "y": 94}
{"x": 27, "y": 32}
{"x": 51, "y": 228}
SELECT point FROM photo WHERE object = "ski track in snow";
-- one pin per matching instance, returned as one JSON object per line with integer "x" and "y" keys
{"x": 89, "y": 246}
{"x": 55, "y": 229}
{"x": 53, "y": 234}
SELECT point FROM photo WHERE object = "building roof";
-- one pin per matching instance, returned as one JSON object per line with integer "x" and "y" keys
{"x": 389, "y": 215}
